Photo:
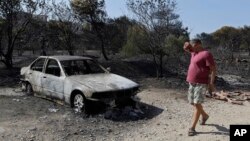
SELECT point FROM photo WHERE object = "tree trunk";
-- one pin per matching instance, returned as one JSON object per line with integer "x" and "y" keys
{"x": 43, "y": 47}
{"x": 43, "y": 52}
{"x": 33, "y": 51}
{"x": 8, "y": 61}
{"x": 248, "y": 51}
{"x": 102, "y": 44}
{"x": 69, "y": 45}
{"x": 157, "y": 71}
{"x": 8, "y": 56}
{"x": 70, "y": 52}
{"x": 99, "y": 35}
{"x": 103, "y": 50}
{"x": 232, "y": 57}
{"x": 161, "y": 65}
{"x": 156, "y": 66}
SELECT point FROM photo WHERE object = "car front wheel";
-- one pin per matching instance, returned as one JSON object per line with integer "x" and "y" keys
{"x": 79, "y": 103}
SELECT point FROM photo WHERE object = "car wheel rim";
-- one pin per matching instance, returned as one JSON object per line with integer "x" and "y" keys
{"x": 79, "y": 102}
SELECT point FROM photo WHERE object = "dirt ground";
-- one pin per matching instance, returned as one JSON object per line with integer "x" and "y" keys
{"x": 166, "y": 112}
{"x": 167, "y": 116}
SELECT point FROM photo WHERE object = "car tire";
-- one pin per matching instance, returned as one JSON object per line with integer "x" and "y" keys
{"x": 79, "y": 103}
{"x": 23, "y": 86}
{"x": 29, "y": 89}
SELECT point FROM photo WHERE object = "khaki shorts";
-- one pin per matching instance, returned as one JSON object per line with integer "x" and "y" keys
{"x": 196, "y": 93}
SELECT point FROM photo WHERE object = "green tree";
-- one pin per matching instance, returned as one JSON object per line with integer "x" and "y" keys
{"x": 136, "y": 43}
{"x": 173, "y": 45}
{"x": 117, "y": 30}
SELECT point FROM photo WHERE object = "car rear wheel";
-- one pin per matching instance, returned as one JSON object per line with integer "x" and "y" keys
{"x": 79, "y": 103}
{"x": 29, "y": 90}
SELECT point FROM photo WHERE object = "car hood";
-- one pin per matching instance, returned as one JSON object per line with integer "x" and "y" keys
{"x": 104, "y": 82}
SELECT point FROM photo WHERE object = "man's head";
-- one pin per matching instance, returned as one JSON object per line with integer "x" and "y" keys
{"x": 196, "y": 44}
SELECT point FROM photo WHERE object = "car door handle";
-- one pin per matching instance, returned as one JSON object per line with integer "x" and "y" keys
{"x": 30, "y": 73}
{"x": 44, "y": 77}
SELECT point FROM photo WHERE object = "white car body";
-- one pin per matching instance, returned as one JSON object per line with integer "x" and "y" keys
{"x": 48, "y": 78}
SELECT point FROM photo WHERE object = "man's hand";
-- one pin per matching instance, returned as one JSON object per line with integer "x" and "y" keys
{"x": 187, "y": 47}
{"x": 211, "y": 88}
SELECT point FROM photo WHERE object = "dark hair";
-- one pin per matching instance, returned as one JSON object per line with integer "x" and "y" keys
{"x": 198, "y": 41}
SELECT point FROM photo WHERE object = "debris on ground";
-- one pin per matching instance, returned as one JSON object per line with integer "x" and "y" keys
{"x": 43, "y": 117}
{"x": 54, "y": 110}
{"x": 7, "y": 91}
{"x": 236, "y": 97}
{"x": 17, "y": 100}
{"x": 128, "y": 113}
{"x": 31, "y": 129}
{"x": 2, "y": 130}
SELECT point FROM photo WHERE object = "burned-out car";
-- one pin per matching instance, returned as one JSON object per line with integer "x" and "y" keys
{"x": 73, "y": 80}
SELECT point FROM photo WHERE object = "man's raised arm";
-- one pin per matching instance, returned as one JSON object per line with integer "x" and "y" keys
{"x": 187, "y": 47}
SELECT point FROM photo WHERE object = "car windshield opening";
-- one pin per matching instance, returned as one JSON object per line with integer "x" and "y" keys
{"x": 81, "y": 67}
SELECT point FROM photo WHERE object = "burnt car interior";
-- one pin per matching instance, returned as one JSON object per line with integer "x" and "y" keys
{"x": 80, "y": 67}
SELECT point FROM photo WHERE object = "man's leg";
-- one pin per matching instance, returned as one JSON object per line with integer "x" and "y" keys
{"x": 199, "y": 96}
{"x": 205, "y": 116}
{"x": 203, "y": 113}
{"x": 196, "y": 115}
{"x": 197, "y": 99}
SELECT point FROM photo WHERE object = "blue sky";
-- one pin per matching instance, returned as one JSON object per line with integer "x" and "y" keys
{"x": 199, "y": 15}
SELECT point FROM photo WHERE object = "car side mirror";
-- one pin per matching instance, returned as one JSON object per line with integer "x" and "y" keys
{"x": 108, "y": 69}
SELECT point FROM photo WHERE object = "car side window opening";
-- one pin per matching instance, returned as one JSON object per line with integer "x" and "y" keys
{"x": 53, "y": 68}
{"x": 38, "y": 65}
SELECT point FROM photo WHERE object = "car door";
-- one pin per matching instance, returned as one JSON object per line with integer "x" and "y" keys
{"x": 35, "y": 74}
{"x": 52, "y": 80}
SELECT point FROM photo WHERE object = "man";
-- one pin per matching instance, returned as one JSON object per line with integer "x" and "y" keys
{"x": 201, "y": 76}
